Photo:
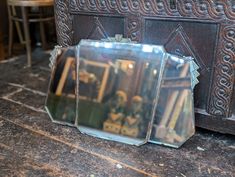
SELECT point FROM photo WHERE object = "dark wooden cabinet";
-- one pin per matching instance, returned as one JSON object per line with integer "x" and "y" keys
{"x": 203, "y": 29}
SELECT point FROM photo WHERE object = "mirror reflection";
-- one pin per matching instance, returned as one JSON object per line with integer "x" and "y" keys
{"x": 61, "y": 100}
{"x": 117, "y": 89}
{"x": 174, "y": 118}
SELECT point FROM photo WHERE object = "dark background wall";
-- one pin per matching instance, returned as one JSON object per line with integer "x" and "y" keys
{"x": 4, "y": 20}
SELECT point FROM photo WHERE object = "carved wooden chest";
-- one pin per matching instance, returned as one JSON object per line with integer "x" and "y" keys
{"x": 204, "y": 29}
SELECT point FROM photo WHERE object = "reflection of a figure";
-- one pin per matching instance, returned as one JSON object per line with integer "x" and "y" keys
{"x": 116, "y": 113}
{"x": 134, "y": 115}
{"x": 88, "y": 83}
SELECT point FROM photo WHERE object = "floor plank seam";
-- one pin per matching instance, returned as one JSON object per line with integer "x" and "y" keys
{"x": 28, "y": 89}
{"x": 24, "y": 105}
{"x": 8, "y": 95}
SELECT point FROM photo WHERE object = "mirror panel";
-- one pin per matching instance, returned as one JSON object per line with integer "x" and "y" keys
{"x": 61, "y": 99}
{"x": 174, "y": 118}
{"x": 118, "y": 89}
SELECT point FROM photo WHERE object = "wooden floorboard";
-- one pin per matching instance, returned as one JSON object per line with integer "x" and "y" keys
{"x": 31, "y": 145}
{"x": 57, "y": 155}
{"x": 13, "y": 164}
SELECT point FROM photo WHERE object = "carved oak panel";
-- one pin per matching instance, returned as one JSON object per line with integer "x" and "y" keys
{"x": 202, "y": 28}
{"x": 197, "y": 39}
{"x": 97, "y": 27}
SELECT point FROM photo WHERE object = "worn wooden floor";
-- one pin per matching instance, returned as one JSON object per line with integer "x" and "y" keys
{"x": 31, "y": 145}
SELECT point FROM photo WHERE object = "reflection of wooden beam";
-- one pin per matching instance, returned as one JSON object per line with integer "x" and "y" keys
{"x": 103, "y": 84}
{"x": 178, "y": 108}
{"x": 64, "y": 76}
{"x": 172, "y": 99}
{"x": 104, "y": 78}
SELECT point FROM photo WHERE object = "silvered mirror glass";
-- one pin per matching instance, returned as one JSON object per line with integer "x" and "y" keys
{"x": 174, "y": 118}
{"x": 61, "y": 100}
{"x": 118, "y": 89}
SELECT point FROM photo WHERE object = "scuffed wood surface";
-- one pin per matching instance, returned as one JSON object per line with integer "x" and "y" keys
{"x": 31, "y": 145}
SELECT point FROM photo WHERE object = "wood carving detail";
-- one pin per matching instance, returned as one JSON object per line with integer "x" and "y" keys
{"x": 97, "y": 31}
{"x": 203, "y": 9}
{"x": 133, "y": 26}
{"x": 64, "y": 23}
{"x": 223, "y": 76}
{"x": 178, "y": 43}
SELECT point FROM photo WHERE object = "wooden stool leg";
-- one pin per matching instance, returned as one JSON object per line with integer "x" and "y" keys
{"x": 10, "y": 42}
{"x": 27, "y": 34}
{"x": 43, "y": 36}
{"x": 17, "y": 24}
{"x": 42, "y": 31}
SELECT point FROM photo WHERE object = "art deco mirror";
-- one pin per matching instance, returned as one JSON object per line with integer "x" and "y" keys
{"x": 118, "y": 89}
{"x": 125, "y": 92}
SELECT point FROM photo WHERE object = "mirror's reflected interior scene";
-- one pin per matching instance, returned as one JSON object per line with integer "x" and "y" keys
{"x": 117, "y": 89}
{"x": 174, "y": 118}
{"x": 61, "y": 101}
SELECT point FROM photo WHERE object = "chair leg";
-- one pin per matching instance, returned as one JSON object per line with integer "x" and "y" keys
{"x": 10, "y": 42}
{"x": 43, "y": 36}
{"x": 42, "y": 30}
{"x": 27, "y": 34}
{"x": 17, "y": 24}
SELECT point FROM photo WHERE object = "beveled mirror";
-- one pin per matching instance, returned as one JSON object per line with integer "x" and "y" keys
{"x": 118, "y": 89}
{"x": 174, "y": 117}
{"x": 61, "y": 102}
